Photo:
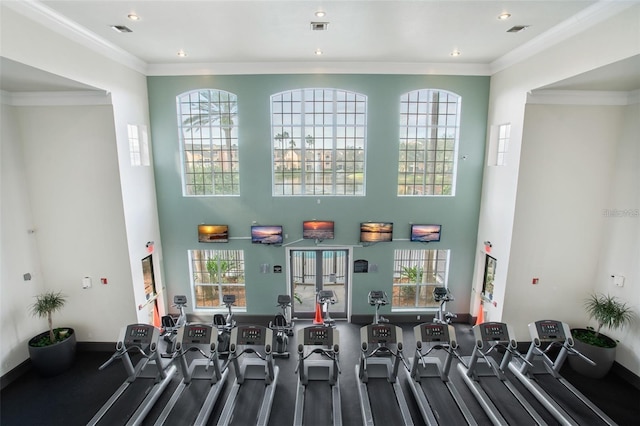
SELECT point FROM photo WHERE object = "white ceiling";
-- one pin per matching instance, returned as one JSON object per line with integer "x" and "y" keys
{"x": 372, "y": 33}
{"x": 280, "y": 31}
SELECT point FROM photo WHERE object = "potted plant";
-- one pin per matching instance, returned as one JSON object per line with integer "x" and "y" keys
{"x": 52, "y": 351}
{"x": 608, "y": 312}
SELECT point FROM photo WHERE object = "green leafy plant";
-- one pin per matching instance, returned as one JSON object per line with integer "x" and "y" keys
{"x": 45, "y": 305}
{"x": 608, "y": 312}
{"x": 219, "y": 268}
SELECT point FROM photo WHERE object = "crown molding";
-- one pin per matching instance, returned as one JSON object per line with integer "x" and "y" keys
{"x": 60, "y": 24}
{"x": 317, "y": 68}
{"x": 590, "y": 16}
{"x": 71, "y": 98}
{"x": 583, "y": 97}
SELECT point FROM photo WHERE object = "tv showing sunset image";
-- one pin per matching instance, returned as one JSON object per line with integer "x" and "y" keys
{"x": 425, "y": 233}
{"x": 317, "y": 230}
{"x": 213, "y": 233}
{"x": 266, "y": 234}
{"x": 375, "y": 232}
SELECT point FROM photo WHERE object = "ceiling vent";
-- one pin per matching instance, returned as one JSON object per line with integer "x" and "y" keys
{"x": 517, "y": 28}
{"x": 319, "y": 26}
{"x": 121, "y": 29}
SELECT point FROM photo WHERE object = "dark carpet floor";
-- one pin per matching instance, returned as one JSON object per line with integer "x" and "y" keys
{"x": 74, "y": 397}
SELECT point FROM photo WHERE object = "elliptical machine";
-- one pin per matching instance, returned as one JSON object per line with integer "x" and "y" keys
{"x": 326, "y": 298}
{"x": 171, "y": 325}
{"x": 378, "y": 298}
{"x": 225, "y": 324}
{"x": 443, "y": 295}
{"x": 282, "y": 327}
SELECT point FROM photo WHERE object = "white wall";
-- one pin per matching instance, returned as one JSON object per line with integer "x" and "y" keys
{"x": 18, "y": 253}
{"x": 125, "y": 207}
{"x": 620, "y": 248}
{"x": 568, "y": 155}
{"x": 512, "y": 216}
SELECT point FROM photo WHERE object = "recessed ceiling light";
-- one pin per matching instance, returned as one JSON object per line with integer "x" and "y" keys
{"x": 318, "y": 52}
{"x": 456, "y": 53}
{"x": 320, "y": 13}
{"x": 504, "y": 16}
{"x": 133, "y": 17}
{"x": 182, "y": 53}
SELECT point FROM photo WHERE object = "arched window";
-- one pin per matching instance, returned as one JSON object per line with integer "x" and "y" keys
{"x": 318, "y": 141}
{"x": 429, "y": 129}
{"x": 208, "y": 127}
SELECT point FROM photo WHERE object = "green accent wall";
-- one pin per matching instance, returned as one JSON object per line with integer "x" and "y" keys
{"x": 180, "y": 215}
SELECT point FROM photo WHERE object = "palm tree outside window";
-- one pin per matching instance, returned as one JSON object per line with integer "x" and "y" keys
{"x": 208, "y": 127}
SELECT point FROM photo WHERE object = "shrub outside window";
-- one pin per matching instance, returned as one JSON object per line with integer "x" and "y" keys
{"x": 215, "y": 273}
{"x": 415, "y": 274}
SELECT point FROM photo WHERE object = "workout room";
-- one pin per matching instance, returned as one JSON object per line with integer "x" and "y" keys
{"x": 129, "y": 178}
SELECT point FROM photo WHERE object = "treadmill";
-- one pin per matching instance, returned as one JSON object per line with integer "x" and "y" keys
{"x": 437, "y": 397}
{"x": 318, "y": 392}
{"x": 541, "y": 376}
{"x": 133, "y": 400}
{"x": 499, "y": 398}
{"x": 381, "y": 398}
{"x": 251, "y": 396}
{"x": 193, "y": 400}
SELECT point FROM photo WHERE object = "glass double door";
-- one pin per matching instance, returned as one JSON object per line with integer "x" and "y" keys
{"x": 312, "y": 270}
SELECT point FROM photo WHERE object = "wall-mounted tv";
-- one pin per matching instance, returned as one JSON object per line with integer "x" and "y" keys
{"x": 213, "y": 233}
{"x": 317, "y": 230}
{"x": 376, "y": 232}
{"x": 425, "y": 233}
{"x": 266, "y": 234}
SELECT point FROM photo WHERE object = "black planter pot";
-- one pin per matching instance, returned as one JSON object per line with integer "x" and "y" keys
{"x": 53, "y": 359}
{"x": 603, "y": 357}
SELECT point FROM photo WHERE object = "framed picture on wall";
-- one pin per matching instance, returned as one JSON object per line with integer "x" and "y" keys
{"x": 489, "y": 277}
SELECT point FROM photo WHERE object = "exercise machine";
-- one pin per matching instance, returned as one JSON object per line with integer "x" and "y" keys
{"x": 318, "y": 391}
{"x": 381, "y": 398}
{"x": 282, "y": 327}
{"x": 378, "y": 298}
{"x": 283, "y": 319}
{"x": 326, "y": 298}
{"x": 442, "y": 295}
{"x": 133, "y": 400}
{"x": 193, "y": 400}
{"x": 541, "y": 376}
{"x": 251, "y": 396}
{"x": 224, "y": 324}
{"x": 171, "y": 324}
{"x": 484, "y": 377}
{"x": 439, "y": 401}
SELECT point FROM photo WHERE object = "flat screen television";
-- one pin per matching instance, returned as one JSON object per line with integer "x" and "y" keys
{"x": 317, "y": 230}
{"x": 213, "y": 233}
{"x": 266, "y": 234}
{"x": 425, "y": 233}
{"x": 376, "y": 232}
